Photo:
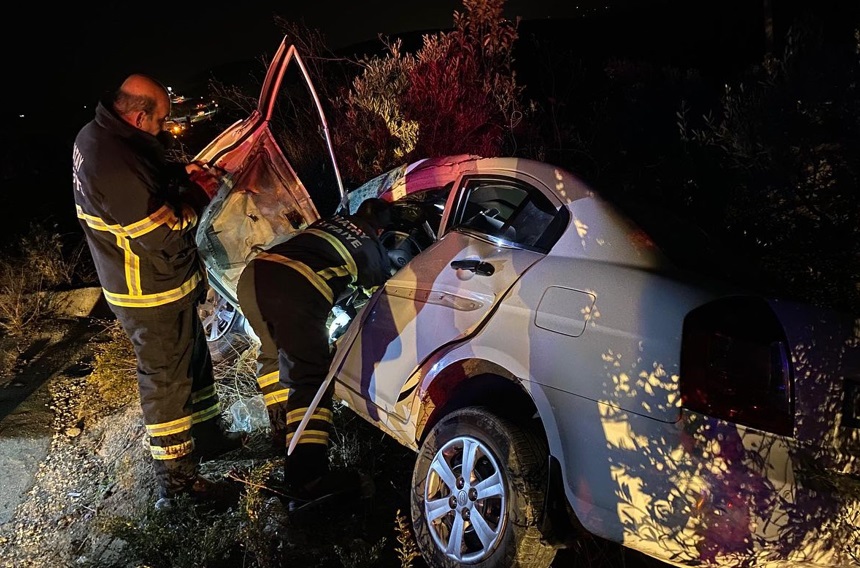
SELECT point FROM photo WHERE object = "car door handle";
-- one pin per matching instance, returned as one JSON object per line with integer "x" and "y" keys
{"x": 476, "y": 266}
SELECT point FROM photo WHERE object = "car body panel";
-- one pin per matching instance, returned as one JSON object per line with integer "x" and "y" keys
{"x": 638, "y": 468}
{"x": 588, "y": 330}
{"x": 424, "y": 306}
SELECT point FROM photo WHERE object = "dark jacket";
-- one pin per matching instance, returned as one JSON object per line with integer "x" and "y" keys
{"x": 335, "y": 254}
{"x": 135, "y": 210}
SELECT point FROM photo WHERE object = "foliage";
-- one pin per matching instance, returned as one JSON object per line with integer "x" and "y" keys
{"x": 456, "y": 94}
{"x": 194, "y": 537}
{"x": 259, "y": 529}
{"x": 374, "y": 106}
{"x": 112, "y": 383}
{"x": 40, "y": 260}
{"x": 42, "y": 252}
{"x": 359, "y": 554}
{"x": 407, "y": 550}
{"x": 21, "y": 303}
{"x": 763, "y": 160}
{"x": 787, "y": 141}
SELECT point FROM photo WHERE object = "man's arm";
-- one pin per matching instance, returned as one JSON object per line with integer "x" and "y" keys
{"x": 193, "y": 184}
{"x": 142, "y": 210}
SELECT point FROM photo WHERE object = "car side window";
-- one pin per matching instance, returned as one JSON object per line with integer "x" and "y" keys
{"x": 506, "y": 209}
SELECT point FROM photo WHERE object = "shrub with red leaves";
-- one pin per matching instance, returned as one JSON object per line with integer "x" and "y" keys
{"x": 456, "y": 94}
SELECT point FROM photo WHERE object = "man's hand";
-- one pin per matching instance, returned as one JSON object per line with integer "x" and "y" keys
{"x": 202, "y": 176}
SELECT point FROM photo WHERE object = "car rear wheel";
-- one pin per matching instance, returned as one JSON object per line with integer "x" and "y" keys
{"x": 478, "y": 492}
{"x": 224, "y": 326}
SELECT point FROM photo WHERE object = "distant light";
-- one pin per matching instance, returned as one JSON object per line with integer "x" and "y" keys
{"x": 20, "y": 116}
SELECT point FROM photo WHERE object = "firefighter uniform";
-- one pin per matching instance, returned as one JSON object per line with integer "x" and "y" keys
{"x": 287, "y": 293}
{"x": 138, "y": 213}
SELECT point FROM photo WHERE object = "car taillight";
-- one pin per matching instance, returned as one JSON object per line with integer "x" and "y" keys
{"x": 736, "y": 365}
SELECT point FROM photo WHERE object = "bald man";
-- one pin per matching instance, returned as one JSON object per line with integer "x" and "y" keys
{"x": 138, "y": 212}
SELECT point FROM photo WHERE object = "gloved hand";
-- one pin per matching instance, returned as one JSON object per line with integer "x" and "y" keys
{"x": 200, "y": 174}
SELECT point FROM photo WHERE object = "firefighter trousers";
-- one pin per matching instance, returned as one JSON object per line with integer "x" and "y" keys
{"x": 273, "y": 389}
{"x": 176, "y": 385}
{"x": 289, "y": 316}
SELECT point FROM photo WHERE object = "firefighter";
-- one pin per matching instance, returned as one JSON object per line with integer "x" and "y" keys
{"x": 138, "y": 212}
{"x": 287, "y": 293}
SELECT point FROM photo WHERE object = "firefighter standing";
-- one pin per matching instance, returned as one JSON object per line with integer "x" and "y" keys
{"x": 138, "y": 212}
{"x": 287, "y": 293}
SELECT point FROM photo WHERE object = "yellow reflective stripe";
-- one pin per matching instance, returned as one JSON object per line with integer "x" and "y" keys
{"x": 203, "y": 394}
{"x": 94, "y": 222}
{"x": 276, "y": 397}
{"x": 332, "y": 272}
{"x": 302, "y": 269}
{"x": 319, "y": 414}
{"x": 150, "y": 300}
{"x": 131, "y": 263}
{"x": 168, "y": 428}
{"x": 310, "y": 437}
{"x": 163, "y": 216}
{"x": 338, "y": 246}
{"x": 171, "y": 452}
{"x": 268, "y": 379}
{"x": 206, "y": 414}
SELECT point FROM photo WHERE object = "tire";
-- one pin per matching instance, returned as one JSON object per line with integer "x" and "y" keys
{"x": 511, "y": 513}
{"x": 224, "y": 327}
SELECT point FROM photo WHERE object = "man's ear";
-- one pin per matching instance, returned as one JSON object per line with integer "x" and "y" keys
{"x": 139, "y": 117}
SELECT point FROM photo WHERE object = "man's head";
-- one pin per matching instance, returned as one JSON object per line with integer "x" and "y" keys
{"x": 377, "y": 213}
{"x": 143, "y": 102}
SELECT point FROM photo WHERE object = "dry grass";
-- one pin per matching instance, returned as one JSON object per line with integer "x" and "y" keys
{"x": 112, "y": 384}
{"x": 236, "y": 376}
{"x": 38, "y": 263}
{"x": 259, "y": 532}
{"x": 407, "y": 548}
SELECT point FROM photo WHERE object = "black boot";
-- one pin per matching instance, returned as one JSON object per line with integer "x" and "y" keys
{"x": 212, "y": 440}
{"x": 213, "y": 495}
{"x": 308, "y": 481}
{"x": 179, "y": 478}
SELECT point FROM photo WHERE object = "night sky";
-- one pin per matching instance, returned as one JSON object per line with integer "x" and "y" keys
{"x": 70, "y": 55}
{"x": 58, "y": 60}
{"x": 187, "y": 38}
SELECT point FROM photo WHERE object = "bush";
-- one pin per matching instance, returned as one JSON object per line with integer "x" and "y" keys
{"x": 456, "y": 94}
{"x": 40, "y": 261}
{"x": 785, "y": 142}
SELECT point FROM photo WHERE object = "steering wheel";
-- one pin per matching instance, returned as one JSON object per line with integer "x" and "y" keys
{"x": 401, "y": 247}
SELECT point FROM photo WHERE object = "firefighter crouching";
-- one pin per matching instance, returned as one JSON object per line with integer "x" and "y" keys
{"x": 286, "y": 293}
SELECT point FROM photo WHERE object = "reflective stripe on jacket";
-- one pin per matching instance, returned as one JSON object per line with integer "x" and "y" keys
{"x": 128, "y": 199}
{"x": 334, "y": 254}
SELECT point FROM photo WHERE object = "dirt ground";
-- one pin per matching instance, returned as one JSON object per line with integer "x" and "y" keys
{"x": 78, "y": 487}
{"x": 78, "y": 490}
